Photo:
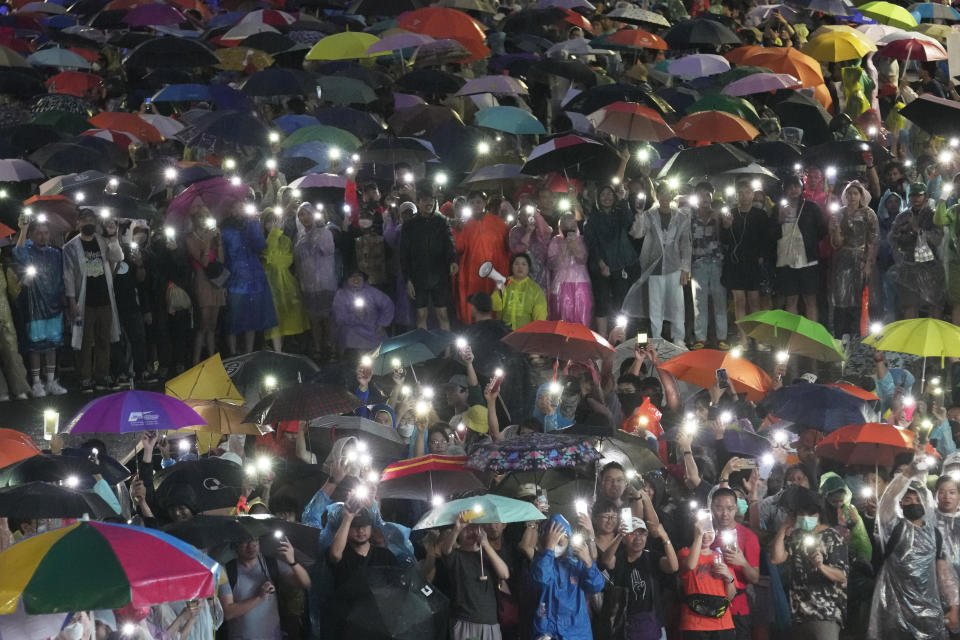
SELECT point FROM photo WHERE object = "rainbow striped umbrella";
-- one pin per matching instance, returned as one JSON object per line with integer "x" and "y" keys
{"x": 96, "y": 565}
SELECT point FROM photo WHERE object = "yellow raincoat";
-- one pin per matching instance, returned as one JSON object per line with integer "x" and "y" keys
{"x": 277, "y": 260}
{"x": 520, "y": 302}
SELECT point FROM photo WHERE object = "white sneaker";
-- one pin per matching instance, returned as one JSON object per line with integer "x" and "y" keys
{"x": 37, "y": 390}
{"x": 4, "y": 397}
{"x": 54, "y": 388}
{"x": 22, "y": 396}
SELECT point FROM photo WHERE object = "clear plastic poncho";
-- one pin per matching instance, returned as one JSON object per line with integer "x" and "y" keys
{"x": 949, "y": 526}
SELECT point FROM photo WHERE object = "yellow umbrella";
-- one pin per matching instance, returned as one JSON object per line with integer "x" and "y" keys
{"x": 926, "y": 337}
{"x": 836, "y": 46}
{"x": 349, "y": 45}
{"x": 237, "y": 58}
{"x": 206, "y": 381}
{"x": 936, "y": 31}
{"x": 829, "y": 28}
{"x": 222, "y": 419}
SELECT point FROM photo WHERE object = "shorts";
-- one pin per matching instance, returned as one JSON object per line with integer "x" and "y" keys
{"x": 741, "y": 276}
{"x": 804, "y": 282}
{"x": 437, "y": 296}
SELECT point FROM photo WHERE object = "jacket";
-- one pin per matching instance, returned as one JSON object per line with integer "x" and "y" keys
{"x": 75, "y": 282}
{"x": 427, "y": 250}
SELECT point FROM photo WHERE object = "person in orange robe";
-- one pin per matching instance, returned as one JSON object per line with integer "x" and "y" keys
{"x": 483, "y": 238}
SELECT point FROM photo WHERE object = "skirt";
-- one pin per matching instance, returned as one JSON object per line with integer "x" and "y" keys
{"x": 463, "y": 630}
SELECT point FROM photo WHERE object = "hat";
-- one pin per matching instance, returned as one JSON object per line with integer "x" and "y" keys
{"x": 918, "y": 189}
{"x": 639, "y": 524}
{"x": 529, "y": 490}
{"x": 458, "y": 380}
{"x": 476, "y": 418}
{"x": 481, "y": 301}
{"x": 232, "y": 457}
{"x": 362, "y": 519}
{"x": 407, "y": 207}
{"x": 832, "y": 484}
{"x": 809, "y": 377}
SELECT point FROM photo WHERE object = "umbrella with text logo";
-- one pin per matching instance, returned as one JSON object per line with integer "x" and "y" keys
{"x": 128, "y": 411}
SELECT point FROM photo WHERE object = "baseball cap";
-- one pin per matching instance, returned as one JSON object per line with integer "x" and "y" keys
{"x": 639, "y": 524}
{"x": 482, "y": 301}
{"x": 918, "y": 189}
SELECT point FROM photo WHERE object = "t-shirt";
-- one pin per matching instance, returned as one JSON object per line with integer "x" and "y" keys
{"x": 94, "y": 268}
{"x": 351, "y": 570}
{"x": 639, "y": 578}
{"x": 750, "y": 545}
{"x": 471, "y": 599}
{"x": 263, "y": 621}
{"x": 701, "y": 581}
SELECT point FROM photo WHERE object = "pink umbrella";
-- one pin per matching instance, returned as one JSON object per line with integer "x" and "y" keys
{"x": 922, "y": 49}
{"x": 153, "y": 15}
{"x": 761, "y": 83}
{"x": 398, "y": 42}
{"x": 217, "y": 194}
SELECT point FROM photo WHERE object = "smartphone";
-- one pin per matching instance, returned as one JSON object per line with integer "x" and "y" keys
{"x": 496, "y": 384}
{"x": 626, "y": 519}
{"x": 148, "y": 101}
{"x": 642, "y": 339}
{"x": 723, "y": 380}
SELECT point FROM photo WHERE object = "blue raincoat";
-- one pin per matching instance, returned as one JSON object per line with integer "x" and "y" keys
{"x": 563, "y": 584}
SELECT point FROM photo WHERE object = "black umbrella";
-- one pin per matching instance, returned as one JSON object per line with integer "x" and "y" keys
{"x": 49, "y": 468}
{"x": 576, "y": 156}
{"x": 233, "y": 127}
{"x": 61, "y": 157}
{"x": 703, "y": 161}
{"x": 392, "y": 603}
{"x": 280, "y": 82}
{"x": 169, "y": 52}
{"x": 303, "y": 538}
{"x": 203, "y": 485}
{"x": 109, "y": 19}
{"x": 534, "y": 21}
{"x": 602, "y": 95}
{"x": 800, "y": 110}
{"x": 28, "y": 137}
{"x": 526, "y": 43}
{"x": 775, "y": 153}
{"x": 457, "y": 146}
{"x": 697, "y": 32}
{"x": 360, "y": 123}
{"x": 205, "y": 532}
{"x": 845, "y": 153}
{"x": 250, "y": 372}
{"x": 569, "y": 69}
{"x": 110, "y": 151}
{"x": 937, "y": 116}
{"x": 20, "y": 82}
{"x": 388, "y": 150}
{"x": 382, "y": 7}
{"x": 110, "y": 469}
{"x": 302, "y": 402}
{"x": 430, "y": 81}
{"x": 47, "y": 500}
{"x": 268, "y": 42}
{"x": 374, "y": 79}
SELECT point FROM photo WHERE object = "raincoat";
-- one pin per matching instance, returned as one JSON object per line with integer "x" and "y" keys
{"x": 949, "y": 219}
{"x": 906, "y": 601}
{"x": 41, "y": 295}
{"x": 481, "y": 240}
{"x": 535, "y": 246}
{"x": 357, "y": 328}
{"x": 917, "y": 282}
{"x": 553, "y": 421}
{"x": 315, "y": 262}
{"x": 520, "y": 302}
{"x": 859, "y": 232}
{"x": 277, "y": 259}
{"x": 563, "y": 584}
{"x": 848, "y": 517}
{"x": 948, "y": 524}
{"x": 75, "y": 282}
{"x": 249, "y": 301}
{"x": 571, "y": 297}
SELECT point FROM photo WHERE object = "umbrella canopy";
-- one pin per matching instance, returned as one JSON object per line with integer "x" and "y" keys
{"x": 632, "y": 39}
{"x": 532, "y": 452}
{"x": 871, "y": 443}
{"x": 441, "y": 22}
{"x": 348, "y": 45}
{"x": 575, "y": 155}
{"x": 344, "y": 91}
{"x": 428, "y": 476}
{"x": 690, "y": 34}
{"x": 47, "y": 500}
{"x": 16, "y": 170}
{"x": 96, "y": 565}
{"x": 399, "y": 42}
{"x": 559, "y": 339}
{"x": 280, "y": 82}
{"x": 631, "y": 121}
{"x": 169, "y": 52}
{"x": 497, "y": 85}
{"x": 818, "y": 407}
{"x": 129, "y": 122}
{"x": 706, "y": 160}
{"x": 916, "y": 48}
{"x": 698, "y": 65}
{"x": 128, "y": 411}
{"x": 888, "y": 13}
{"x": 938, "y": 116}
{"x": 203, "y": 485}
{"x": 205, "y": 381}
{"x": 853, "y": 390}
{"x": 837, "y": 46}
{"x": 733, "y": 105}
{"x": 153, "y": 15}
{"x": 381, "y": 442}
{"x": 926, "y": 337}
{"x": 761, "y": 83}
{"x": 222, "y": 418}
{"x": 395, "y": 603}
{"x": 509, "y": 120}
{"x": 632, "y": 14}
{"x": 204, "y": 532}
{"x": 788, "y": 60}
{"x": 218, "y": 194}
{"x": 412, "y": 347}
{"x": 485, "y": 509}
{"x": 59, "y": 58}
{"x": 700, "y": 368}
{"x": 50, "y": 468}
{"x": 251, "y": 372}
{"x": 74, "y": 83}
{"x": 715, "y": 126}
{"x": 934, "y": 11}
{"x": 302, "y": 402}
{"x": 15, "y": 446}
{"x": 793, "y": 333}
{"x": 333, "y": 136}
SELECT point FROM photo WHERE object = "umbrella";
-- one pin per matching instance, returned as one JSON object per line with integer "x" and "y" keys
{"x": 563, "y": 340}
{"x": 205, "y": 381}
{"x": 853, "y": 390}
{"x": 698, "y": 65}
{"x": 423, "y": 120}
{"x": 153, "y": 15}
{"x": 280, "y": 82}
{"x": 793, "y": 333}
{"x": 627, "y": 449}
{"x": 128, "y": 122}
{"x": 761, "y": 83}
{"x": 837, "y": 46}
{"x": 925, "y": 337}
{"x": 269, "y": 16}
{"x": 15, "y": 446}
{"x": 575, "y": 155}
{"x": 871, "y": 443}
{"x": 428, "y": 476}
{"x": 745, "y": 443}
{"x": 497, "y": 85}
{"x": 128, "y": 411}
{"x": 46, "y": 500}
{"x": 387, "y": 150}
{"x": 205, "y": 532}
{"x": 48, "y": 468}
{"x": 60, "y": 158}
{"x": 690, "y": 34}
{"x": 834, "y": 7}
{"x": 510, "y": 120}
{"x": 344, "y": 90}
{"x": 733, "y": 105}
{"x": 59, "y": 58}
{"x": 412, "y": 347}
{"x": 705, "y": 160}
{"x": 630, "y": 39}
{"x": 250, "y": 371}
{"x": 788, "y": 60}
{"x": 217, "y": 194}
{"x": 382, "y": 442}
{"x": 16, "y": 170}
{"x": 75, "y": 83}
{"x": 302, "y": 402}
{"x": 61, "y": 213}
{"x": 323, "y": 133}
{"x": 394, "y": 603}
{"x": 399, "y": 42}
{"x": 939, "y": 32}
{"x": 633, "y": 14}
{"x": 715, "y": 126}
{"x": 570, "y": 69}
{"x": 938, "y": 116}
{"x": 19, "y": 625}
{"x": 631, "y": 121}
{"x": 239, "y": 58}
{"x": 10, "y": 58}
{"x": 213, "y": 483}
{"x": 168, "y": 127}
{"x": 796, "y": 109}
{"x": 97, "y": 565}
{"x": 532, "y": 452}
{"x": 845, "y": 153}
{"x": 818, "y": 406}
{"x": 361, "y": 123}
{"x": 344, "y": 46}
{"x": 934, "y": 11}
{"x": 320, "y": 181}
{"x": 440, "y": 22}
{"x": 430, "y": 81}
{"x": 169, "y": 52}
{"x": 914, "y": 48}
{"x": 888, "y": 13}
{"x": 700, "y": 368}
{"x": 489, "y": 509}
{"x": 496, "y": 174}
{"x": 440, "y": 52}
{"x": 223, "y": 418}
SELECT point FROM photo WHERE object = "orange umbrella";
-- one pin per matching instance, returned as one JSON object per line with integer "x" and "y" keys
{"x": 632, "y": 121}
{"x": 700, "y": 368}
{"x": 15, "y": 446}
{"x": 577, "y": 20}
{"x": 715, "y": 126}
{"x": 129, "y": 122}
{"x": 787, "y": 60}
{"x": 5, "y": 231}
{"x": 74, "y": 83}
{"x": 854, "y": 390}
{"x": 638, "y": 38}
{"x": 440, "y": 23}
{"x": 737, "y": 55}
{"x": 876, "y": 443}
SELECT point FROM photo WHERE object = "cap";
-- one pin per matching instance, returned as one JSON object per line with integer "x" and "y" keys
{"x": 809, "y": 377}
{"x": 639, "y": 524}
{"x": 362, "y": 519}
{"x": 407, "y": 207}
{"x": 481, "y": 301}
{"x": 232, "y": 457}
{"x": 918, "y": 189}
{"x": 458, "y": 380}
{"x": 529, "y": 490}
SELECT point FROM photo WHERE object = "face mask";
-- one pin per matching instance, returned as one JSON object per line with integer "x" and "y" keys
{"x": 140, "y": 239}
{"x": 913, "y": 511}
{"x": 559, "y": 550}
{"x": 73, "y": 631}
{"x": 406, "y": 429}
{"x": 742, "y": 506}
{"x": 808, "y": 523}
{"x": 88, "y": 229}
{"x": 364, "y": 223}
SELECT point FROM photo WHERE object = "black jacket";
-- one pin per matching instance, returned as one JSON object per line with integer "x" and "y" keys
{"x": 427, "y": 250}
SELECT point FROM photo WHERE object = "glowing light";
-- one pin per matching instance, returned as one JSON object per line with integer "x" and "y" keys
{"x": 134, "y": 246}
{"x": 767, "y": 459}
{"x": 422, "y": 408}
{"x": 672, "y": 183}
{"x": 235, "y": 181}
{"x": 333, "y": 153}
{"x": 270, "y": 382}
{"x": 780, "y": 437}
{"x": 129, "y": 629}
{"x": 945, "y": 157}
{"x": 229, "y": 164}
{"x": 250, "y": 209}
{"x": 736, "y": 352}
{"x": 576, "y": 539}
{"x": 621, "y": 321}
{"x": 798, "y": 167}
{"x": 555, "y": 388}
{"x": 211, "y": 222}
{"x": 831, "y": 172}
{"x": 461, "y": 343}
{"x": 866, "y": 492}
{"x": 498, "y": 373}
{"x": 264, "y": 463}
{"x": 278, "y": 534}
{"x": 834, "y": 207}
{"x": 395, "y": 363}
{"x": 79, "y": 196}
{"x": 477, "y": 508}
{"x": 408, "y": 177}
{"x": 935, "y": 381}
{"x": 427, "y": 393}
{"x": 872, "y": 131}
{"x": 355, "y": 157}
{"x": 169, "y": 174}
{"x": 643, "y": 155}
{"x": 876, "y": 327}
{"x": 693, "y": 201}
{"x": 564, "y": 204}
{"x": 72, "y": 481}
{"x": 466, "y": 212}
{"x": 436, "y": 500}
{"x": 726, "y": 417}
{"x": 296, "y": 193}
{"x": 728, "y": 537}
{"x": 483, "y": 148}
{"x": 580, "y": 505}
{"x": 809, "y": 541}
{"x": 461, "y": 426}
{"x": 729, "y": 191}
{"x": 358, "y": 303}
{"x": 31, "y": 271}
{"x": 361, "y": 491}
{"x": 440, "y": 179}
{"x": 908, "y": 401}
{"x": 373, "y": 477}
{"x": 169, "y": 232}
{"x": 41, "y": 217}
{"x": 406, "y": 390}
{"x": 184, "y": 445}
{"x": 250, "y": 470}
{"x": 782, "y": 356}
{"x": 756, "y": 185}
{"x": 104, "y": 213}
{"x": 273, "y": 136}
{"x": 271, "y": 164}
{"x": 631, "y": 474}
{"x": 365, "y": 361}
{"x": 615, "y": 180}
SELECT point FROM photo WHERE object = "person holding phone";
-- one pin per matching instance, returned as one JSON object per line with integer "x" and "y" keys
{"x": 570, "y": 296}
{"x": 740, "y": 550}
{"x": 708, "y": 587}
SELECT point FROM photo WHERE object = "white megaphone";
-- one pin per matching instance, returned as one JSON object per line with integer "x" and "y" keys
{"x": 487, "y": 271}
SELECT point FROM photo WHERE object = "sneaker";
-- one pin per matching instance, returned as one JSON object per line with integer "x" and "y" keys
{"x": 37, "y": 390}
{"x": 723, "y": 346}
{"x": 697, "y": 345}
{"x": 4, "y": 397}
{"x": 102, "y": 385}
{"x": 54, "y": 389}
{"x": 22, "y": 396}
{"x": 86, "y": 386}
{"x": 147, "y": 377}
{"x": 119, "y": 385}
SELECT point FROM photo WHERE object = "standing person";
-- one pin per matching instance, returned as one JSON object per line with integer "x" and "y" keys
{"x": 708, "y": 587}
{"x": 612, "y": 259}
{"x": 563, "y": 574}
{"x": 798, "y": 226}
{"x": 42, "y": 301}
{"x": 483, "y": 239}
{"x": 744, "y": 237}
{"x": 531, "y": 235}
{"x": 947, "y": 492}
{"x": 471, "y": 580}
{"x": 706, "y": 268}
{"x": 249, "y": 302}
{"x": 428, "y": 258}
{"x": 394, "y": 219}
{"x": 284, "y": 288}
{"x": 314, "y": 262}
{"x": 919, "y": 275}
{"x": 205, "y": 253}
{"x": 89, "y": 259}
{"x": 854, "y": 234}
{"x": 520, "y": 301}
{"x": 665, "y": 260}
{"x": 361, "y": 313}
{"x": 571, "y": 298}
{"x": 741, "y": 553}
{"x": 130, "y": 274}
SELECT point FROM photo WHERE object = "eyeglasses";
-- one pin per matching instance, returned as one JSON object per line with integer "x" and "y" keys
{"x": 608, "y": 516}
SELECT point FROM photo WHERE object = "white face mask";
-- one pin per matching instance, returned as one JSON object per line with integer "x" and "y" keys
{"x": 559, "y": 550}
{"x": 73, "y": 631}
{"x": 406, "y": 429}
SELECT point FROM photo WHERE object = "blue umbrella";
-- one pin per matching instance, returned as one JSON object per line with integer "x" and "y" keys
{"x": 183, "y": 93}
{"x": 509, "y": 120}
{"x": 412, "y": 347}
{"x": 290, "y": 123}
{"x": 229, "y": 98}
{"x": 128, "y": 411}
{"x": 319, "y": 152}
{"x": 60, "y": 58}
{"x": 817, "y": 406}
{"x": 225, "y": 19}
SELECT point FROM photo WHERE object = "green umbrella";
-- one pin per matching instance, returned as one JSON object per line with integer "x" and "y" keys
{"x": 344, "y": 90}
{"x": 737, "y": 73}
{"x": 486, "y": 509}
{"x": 792, "y": 333}
{"x": 323, "y": 133}
{"x": 62, "y": 121}
{"x": 731, "y": 104}
{"x": 509, "y": 120}
{"x": 889, "y": 14}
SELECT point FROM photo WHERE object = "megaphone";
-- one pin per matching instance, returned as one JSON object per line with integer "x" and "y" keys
{"x": 487, "y": 271}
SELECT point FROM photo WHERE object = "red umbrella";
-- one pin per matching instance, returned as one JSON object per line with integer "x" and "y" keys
{"x": 854, "y": 390}
{"x": 870, "y": 443}
{"x": 441, "y": 22}
{"x": 75, "y": 83}
{"x": 428, "y": 476}
{"x": 129, "y": 122}
{"x": 922, "y": 49}
{"x": 559, "y": 339}
{"x": 576, "y": 20}
{"x": 632, "y": 121}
